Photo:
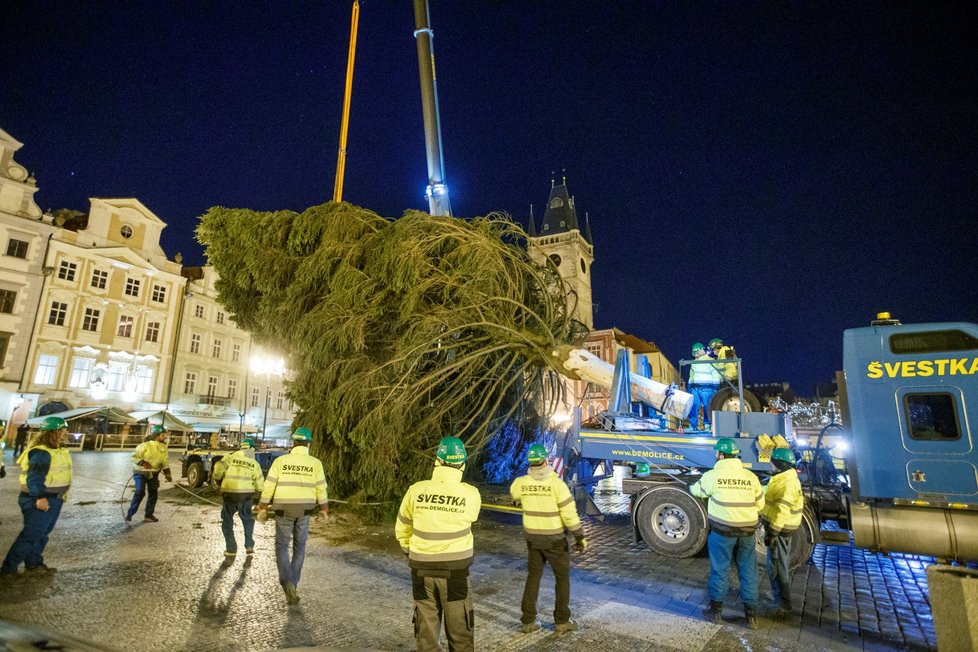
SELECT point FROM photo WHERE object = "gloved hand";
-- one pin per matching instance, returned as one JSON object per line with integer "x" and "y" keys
{"x": 262, "y": 515}
{"x": 322, "y": 515}
{"x": 169, "y": 478}
{"x": 580, "y": 545}
{"x": 768, "y": 537}
{"x": 145, "y": 464}
{"x": 3, "y": 472}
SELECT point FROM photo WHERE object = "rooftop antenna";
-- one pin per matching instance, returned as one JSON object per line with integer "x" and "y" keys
{"x": 347, "y": 92}
{"x": 437, "y": 191}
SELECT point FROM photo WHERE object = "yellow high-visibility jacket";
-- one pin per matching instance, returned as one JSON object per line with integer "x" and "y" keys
{"x": 736, "y": 497}
{"x": 153, "y": 452}
{"x": 239, "y": 474}
{"x": 548, "y": 507}
{"x": 434, "y": 522}
{"x": 729, "y": 369}
{"x": 784, "y": 503}
{"x": 58, "y": 478}
{"x": 296, "y": 483}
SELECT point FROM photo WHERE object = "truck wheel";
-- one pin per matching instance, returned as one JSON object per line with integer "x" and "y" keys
{"x": 672, "y": 522}
{"x": 195, "y": 474}
{"x": 726, "y": 400}
{"x": 804, "y": 540}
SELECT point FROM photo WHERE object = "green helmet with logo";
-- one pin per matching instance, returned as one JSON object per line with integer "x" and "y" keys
{"x": 715, "y": 342}
{"x": 158, "y": 430}
{"x": 54, "y": 423}
{"x": 727, "y": 446}
{"x": 537, "y": 454}
{"x": 451, "y": 450}
{"x": 783, "y": 455}
{"x": 698, "y": 347}
{"x": 247, "y": 442}
{"x": 302, "y": 434}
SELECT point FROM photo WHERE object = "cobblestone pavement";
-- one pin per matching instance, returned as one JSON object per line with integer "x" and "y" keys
{"x": 166, "y": 586}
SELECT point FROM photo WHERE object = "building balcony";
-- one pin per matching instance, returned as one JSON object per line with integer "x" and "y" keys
{"x": 220, "y": 401}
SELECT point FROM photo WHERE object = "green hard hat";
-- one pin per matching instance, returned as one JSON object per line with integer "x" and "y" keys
{"x": 54, "y": 423}
{"x": 247, "y": 442}
{"x": 727, "y": 446}
{"x": 451, "y": 450}
{"x": 716, "y": 341}
{"x": 158, "y": 430}
{"x": 642, "y": 468}
{"x": 783, "y": 455}
{"x": 302, "y": 434}
{"x": 537, "y": 454}
{"x": 698, "y": 347}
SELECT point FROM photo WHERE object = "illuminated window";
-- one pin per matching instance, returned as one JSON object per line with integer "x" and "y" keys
{"x": 117, "y": 376}
{"x": 159, "y": 293}
{"x": 190, "y": 383}
{"x": 557, "y": 202}
{"x": 144, "y": 380}
{"x": 153, "y": 331}
{"x": 47, "y": 368}
{"x": 194, "y": 343}
{"x": 132, "y": 287}
{"x": 7, "y": 300}
{"x": 90, "y": 322}
{"x": 100, "y": 278}
{"x": 66, "y": 271}
{"x": 16, "y": 248}
{"x": 125, "y": 326}
{"x": 81, "y": 372}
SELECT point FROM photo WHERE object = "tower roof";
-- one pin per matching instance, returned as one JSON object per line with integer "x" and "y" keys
{"x": 561, "y": 216}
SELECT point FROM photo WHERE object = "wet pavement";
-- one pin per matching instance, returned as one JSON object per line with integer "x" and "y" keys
{"x": 166, "y": 585}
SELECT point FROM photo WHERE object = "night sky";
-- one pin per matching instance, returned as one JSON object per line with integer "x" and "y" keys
{"x": 770, "y": 174}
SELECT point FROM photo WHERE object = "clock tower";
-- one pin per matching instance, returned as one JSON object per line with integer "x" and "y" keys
{"x": 570, "y": 249}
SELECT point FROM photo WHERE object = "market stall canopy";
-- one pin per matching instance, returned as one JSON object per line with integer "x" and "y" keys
{"x": 279, "y": 431}
{"x": 161, "y": 417}
{"x": 206, "y": 427}
{"x": 111, "y": 414}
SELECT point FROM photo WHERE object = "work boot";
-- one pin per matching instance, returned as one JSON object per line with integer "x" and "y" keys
{"x": 150, "y": 519}
{"x": 40, "y": 569}
{"x": 782, "y": 611}
{"x": 529, "y": 628}
{"x": 569, "y": 626}
{"x": 712, "y": 613}
{"x": 129, "y": 518}
{"x": 291, "y": 595}
{"x": 750, "y": 618}
{"x": 249, "y": 551}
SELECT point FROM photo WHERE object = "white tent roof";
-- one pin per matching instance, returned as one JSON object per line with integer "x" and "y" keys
{"x": 161, "y": 416}
{"x": 111, "y": 413}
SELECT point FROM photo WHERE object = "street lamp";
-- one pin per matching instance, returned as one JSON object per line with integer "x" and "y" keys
{"x": 267, "y": 366}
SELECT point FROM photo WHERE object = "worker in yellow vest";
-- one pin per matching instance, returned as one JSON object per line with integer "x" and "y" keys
{"x": 149, "y": 459}
{"x": 45, "y": 477}
{"x": 784, "y": 504}
{"x": 434, "y": 529}
{"x": 735, "y": 500}
{"x": 548, "y": 511}
{"x": 296, "y": 489}
{"x": 240, "y": 478}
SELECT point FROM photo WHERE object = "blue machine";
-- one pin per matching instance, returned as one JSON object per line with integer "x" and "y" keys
{"x": 910, "y": 483}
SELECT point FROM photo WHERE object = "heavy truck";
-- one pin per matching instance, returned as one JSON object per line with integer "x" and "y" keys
{"x": 908, "y": 484}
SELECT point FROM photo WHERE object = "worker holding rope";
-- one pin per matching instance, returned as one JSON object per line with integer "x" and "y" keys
{"x": 149, "y": 459}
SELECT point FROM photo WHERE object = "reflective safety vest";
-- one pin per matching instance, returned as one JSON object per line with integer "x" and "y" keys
{"x": 153, "y": 452}
{"x": 239, "y": 474}
{"x": 736, "y": 497}
{"x": 296, "y": 483}
{"x": 434, "y": 522}
{"x": 784, "y": 503}
{"x": 58, "y": 477}
{"x": 729, "y": 369}
{"x": 703, "y": 373}
{"x": 548, "y": 507}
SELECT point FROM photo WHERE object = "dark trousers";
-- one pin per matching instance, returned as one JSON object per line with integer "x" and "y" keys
{"x": 558, "y": 556}
{"x": 443, "y": 595}
{"x": 144, "y": 483}
{"x": 778, "y": 559}
{"x": 29, "y": 545}
{"x": 722, "y": 551}
{"x": 19, "y": 445}
{"x": 240, "y": 505}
